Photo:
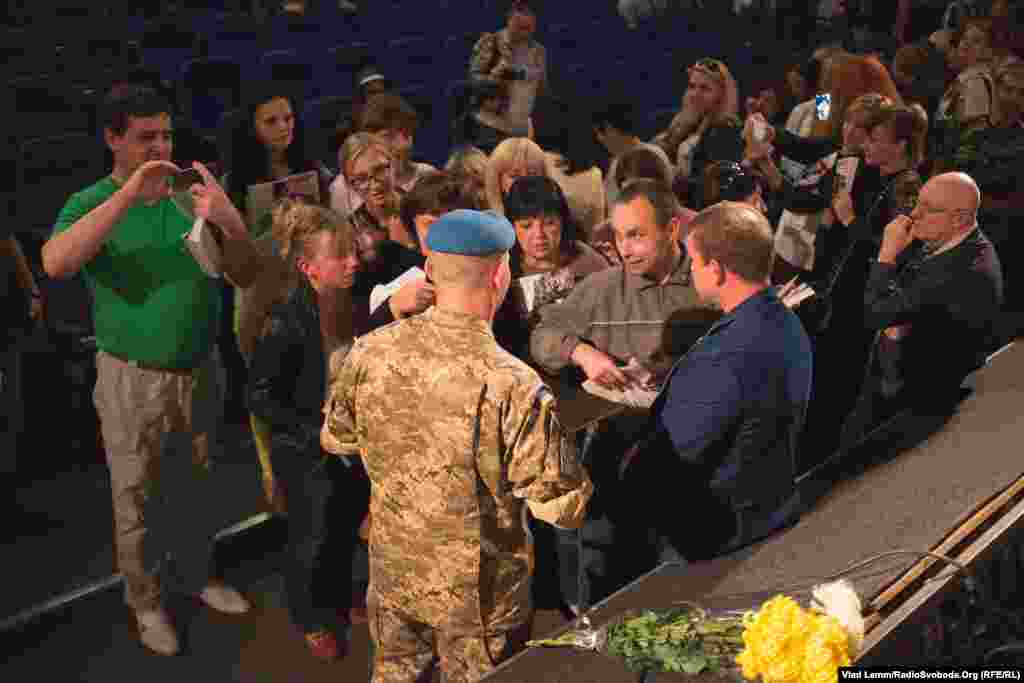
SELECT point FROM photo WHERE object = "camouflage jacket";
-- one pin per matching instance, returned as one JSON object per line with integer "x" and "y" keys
{"x": 459, "y": 439}
{"x": 493, "y": 53}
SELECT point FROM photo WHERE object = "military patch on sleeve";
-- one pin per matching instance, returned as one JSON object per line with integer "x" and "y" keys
{"x": 541, "y": 397}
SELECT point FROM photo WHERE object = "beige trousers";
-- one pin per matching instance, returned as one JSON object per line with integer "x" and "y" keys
{"x": 158, "y": 430}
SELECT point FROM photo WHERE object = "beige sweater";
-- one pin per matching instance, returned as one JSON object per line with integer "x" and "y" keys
{"x": 584, "y": 192}
{"x": 624, "y": 316}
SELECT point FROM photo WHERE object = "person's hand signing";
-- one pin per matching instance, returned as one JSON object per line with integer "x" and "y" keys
{"x": 149, "y": 182}
{"x": 412, "y": 298}
{"x": 599, "y": 366}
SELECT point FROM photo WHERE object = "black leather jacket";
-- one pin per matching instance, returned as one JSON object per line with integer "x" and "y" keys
{"x": 288, "y": 373}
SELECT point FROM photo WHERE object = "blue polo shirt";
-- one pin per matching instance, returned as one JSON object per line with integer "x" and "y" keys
{"x": 744, "y": 360}
{"x": 732, "y": 409}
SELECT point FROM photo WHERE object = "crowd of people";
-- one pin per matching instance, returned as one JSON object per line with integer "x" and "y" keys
{"x": 404, "y": 330}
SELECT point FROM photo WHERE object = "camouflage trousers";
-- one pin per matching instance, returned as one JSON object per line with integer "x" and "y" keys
{"x": 406, "y": 650}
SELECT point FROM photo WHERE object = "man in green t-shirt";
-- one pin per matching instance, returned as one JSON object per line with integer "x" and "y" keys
{"x": 159, "y": 385}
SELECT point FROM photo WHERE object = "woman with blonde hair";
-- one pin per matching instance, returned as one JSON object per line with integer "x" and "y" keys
{"x": 470, "y": 164}
{"x": 513, "y": 158}
{"x": 303, "y": 339}
{"x": 367, "y": 163}
{"x": 708, "y": 127}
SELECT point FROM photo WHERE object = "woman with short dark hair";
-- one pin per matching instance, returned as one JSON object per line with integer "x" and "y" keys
{"x": 548, "y": 259}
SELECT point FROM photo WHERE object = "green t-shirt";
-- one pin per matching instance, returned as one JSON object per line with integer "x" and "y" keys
{"x": 151, "y": 301}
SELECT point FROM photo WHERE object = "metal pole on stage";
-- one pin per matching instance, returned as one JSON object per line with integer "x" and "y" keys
{"x": 583, "y": 597}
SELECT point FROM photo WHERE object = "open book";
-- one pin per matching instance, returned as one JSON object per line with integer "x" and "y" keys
{"x": 260, "y": 199}
{"x": 639, "y": 393}
{"x": 792, "y": 294}
{"x": 533, "y": 291}
{"x": 381, "y": 293}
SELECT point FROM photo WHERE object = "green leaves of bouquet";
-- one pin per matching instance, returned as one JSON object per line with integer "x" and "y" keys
{"x": 680, "y": 640}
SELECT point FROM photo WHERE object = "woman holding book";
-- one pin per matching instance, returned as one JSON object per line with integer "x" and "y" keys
{"x": 547, "y": 261}
{"x": 265, "y": 148}
{"x": 368, "y": 164}
{"x": 302, "y": 343}
{"x": 803, "y": 241}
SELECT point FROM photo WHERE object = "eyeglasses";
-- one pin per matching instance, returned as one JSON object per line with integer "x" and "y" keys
{"x": 361, "y": 183}
{"x": 716, "y": 67}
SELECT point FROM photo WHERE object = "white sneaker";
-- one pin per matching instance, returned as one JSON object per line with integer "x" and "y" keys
{"x": 224, "y": 599}
{"x": 157, "y": 633}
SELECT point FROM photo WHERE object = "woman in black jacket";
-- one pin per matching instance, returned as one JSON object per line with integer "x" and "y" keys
{"x": 303, "y": 342}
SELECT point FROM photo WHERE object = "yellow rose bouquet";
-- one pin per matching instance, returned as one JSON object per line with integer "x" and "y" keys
{"x": 781, "y": 642}
{"x": 785, "y": 643}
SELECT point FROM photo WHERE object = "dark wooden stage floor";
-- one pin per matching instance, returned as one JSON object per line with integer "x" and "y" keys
{"x": 909, "y": 501}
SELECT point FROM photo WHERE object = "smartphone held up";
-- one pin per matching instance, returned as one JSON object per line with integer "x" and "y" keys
{"x": 181, "y": 182}
{"x": 823, "y": 106}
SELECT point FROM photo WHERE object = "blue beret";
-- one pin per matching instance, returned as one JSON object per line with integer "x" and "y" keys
{"x": 471, "y": 233}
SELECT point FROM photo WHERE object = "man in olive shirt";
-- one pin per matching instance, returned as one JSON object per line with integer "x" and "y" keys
{"x": 647, "y": 309}
{"x": 159, "y": 382}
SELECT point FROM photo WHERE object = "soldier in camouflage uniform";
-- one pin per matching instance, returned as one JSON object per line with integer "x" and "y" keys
{"x": 460, "y": 440}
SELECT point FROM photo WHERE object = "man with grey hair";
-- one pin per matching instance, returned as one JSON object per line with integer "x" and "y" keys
{"x": 726, "y": 423}
{"x": 937, "y": 277}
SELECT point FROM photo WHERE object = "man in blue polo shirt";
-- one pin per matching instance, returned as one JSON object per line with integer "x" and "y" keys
{"x": 719, "y": 469}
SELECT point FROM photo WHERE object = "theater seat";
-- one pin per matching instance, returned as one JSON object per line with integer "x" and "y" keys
{"x": 209, "y": 87}
{"x": 320, "y": 117}
{"x": 166, "y": 44}
{"x": 337, "y": 71}
{"x": 48, "y": 107}
{"x": 289, "y": 69}
{"x": 49, "y": 171}
{"x": 411, "y": 61}
{"x": 23, "y": 54}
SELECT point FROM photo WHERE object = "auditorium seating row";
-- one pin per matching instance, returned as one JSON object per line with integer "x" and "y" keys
{"x": 209, "y": 55}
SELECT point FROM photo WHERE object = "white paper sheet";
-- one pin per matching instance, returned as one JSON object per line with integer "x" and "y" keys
{"x": 203, "y": 246}
{"x": 639, "y": 393}
{"x": 381, "y": 293}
